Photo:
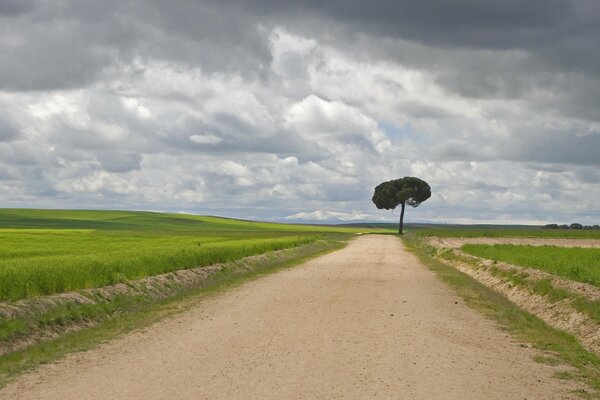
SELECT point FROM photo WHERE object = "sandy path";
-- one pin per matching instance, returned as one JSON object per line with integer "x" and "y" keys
{"x": 365, "y": 322}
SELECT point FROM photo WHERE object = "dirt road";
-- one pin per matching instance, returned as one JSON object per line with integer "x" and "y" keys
{"x": 365, "y": 322}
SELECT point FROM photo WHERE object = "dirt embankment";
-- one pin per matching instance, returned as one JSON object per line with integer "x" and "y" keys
{"x": 150, "y": 289}
{"x": 368, "y": 321}
{"x": 561, "y": 314}
{"x": 455, "y": 242}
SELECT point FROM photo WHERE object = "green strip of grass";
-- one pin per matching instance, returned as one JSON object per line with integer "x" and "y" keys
{"x": 524, "y": 325}
{"x": 150, "y": 221}
{"x": 126, "y": 314}
{"x": 579, "y": 264}
{"x": 94, "y": 264}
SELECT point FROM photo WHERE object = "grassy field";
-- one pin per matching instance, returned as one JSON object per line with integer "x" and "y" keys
{"x": 52, "y": 251}
{"x": 579, "y": 264}
{"x": 501, "y": 231}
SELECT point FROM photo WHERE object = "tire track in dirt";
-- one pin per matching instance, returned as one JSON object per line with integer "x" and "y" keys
{"x": 368, "y": 321}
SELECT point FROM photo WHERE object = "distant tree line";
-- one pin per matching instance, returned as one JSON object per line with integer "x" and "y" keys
{"x": 572, "y": 226}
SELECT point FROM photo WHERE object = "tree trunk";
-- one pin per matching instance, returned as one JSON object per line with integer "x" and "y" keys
{"x": 401, "y": 218}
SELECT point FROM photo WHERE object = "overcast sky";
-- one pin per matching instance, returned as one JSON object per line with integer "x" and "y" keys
{"x": 295, "y": 110}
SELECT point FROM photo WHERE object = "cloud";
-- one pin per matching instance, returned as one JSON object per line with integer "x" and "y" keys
{"x": 323, "y": 215}
{"x": 71, "y": 44}
{"x": 206, "y": 139}
{"x": 320, "y": 116}
{"x": 114, "y": 161}
{"x": 8, "y": 131}
{"x": 276, "y": 110}
{"x": 13, "y": 8}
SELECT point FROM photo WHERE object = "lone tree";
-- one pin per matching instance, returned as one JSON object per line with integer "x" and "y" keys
{"x": 390, "y": 194}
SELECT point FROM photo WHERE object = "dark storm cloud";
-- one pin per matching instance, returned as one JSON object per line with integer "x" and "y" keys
{"x": 545, "y": 146}
{"x": 12, "y": 8}
{"x": 19, "y": 154}
{"x": 71, "y": 44}
{"x": 8, "y": 131}
{"x": 554, "y": 37}
{"x": 589, "y": 175}
{"x": 54, "y": 47}
{"x": 119, "y": 161}
{"x": 478, "y": 23}
{"x": 559, "y": 147}
{"x": 552, "y": 29}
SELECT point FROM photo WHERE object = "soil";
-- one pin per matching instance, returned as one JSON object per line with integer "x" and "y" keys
{"x": 455, "y": 243}
{"x": 368, "y": 321}
{"x": 585, "y": 290}
{"x": 560, "y": 314}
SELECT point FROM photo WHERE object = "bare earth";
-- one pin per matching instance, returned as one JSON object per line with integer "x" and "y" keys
{"x": 365, "y": 322}
{"x": 456, "y": 242}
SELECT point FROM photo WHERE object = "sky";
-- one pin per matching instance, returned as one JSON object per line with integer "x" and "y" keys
{"x": 295, "y": 110}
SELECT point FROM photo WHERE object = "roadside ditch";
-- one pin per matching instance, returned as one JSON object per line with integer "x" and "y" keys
{"x": 570, "y": 306}
{"x": 28, "y": 322}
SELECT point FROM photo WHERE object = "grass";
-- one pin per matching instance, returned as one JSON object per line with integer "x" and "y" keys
{"x": 143, "y": 221}
{"x": 562, "y": 347}
{"x": 44, "y": 252}
{"x": 61, "y": 261}
{"x": 579, "y": 264}
{"x": 125, "y": 314}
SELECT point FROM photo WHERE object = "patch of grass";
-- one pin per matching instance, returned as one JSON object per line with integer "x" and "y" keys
{"x": 549, "y": 360}
{"x": 524, "y": 325}
{"x": 125, "y": 314}
{"x": 514, "y": 278}
{"x": 589, "y": 307}
{"x": 79, "y": 261}
{"x": 579, "y": 264}
{"x": 10, "y": 328}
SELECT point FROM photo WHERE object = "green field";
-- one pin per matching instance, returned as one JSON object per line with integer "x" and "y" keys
{"x": 579, "y": 264}
{"x": 52, "y": 251}
{"x": 501, "y": 231}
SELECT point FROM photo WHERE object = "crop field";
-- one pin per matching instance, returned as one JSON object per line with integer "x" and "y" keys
{"x": 46, "y": 251}
{"x": 471, "y": 231}
{"x": 577, "y": 264}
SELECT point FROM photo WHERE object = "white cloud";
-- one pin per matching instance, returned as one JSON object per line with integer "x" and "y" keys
{"x": 134, "y": 106}
{"x": 324, "y": 215}
{"x": 206, "y": 139}
{"x": 316, "y": 115}
{"x": 98, "y": 182}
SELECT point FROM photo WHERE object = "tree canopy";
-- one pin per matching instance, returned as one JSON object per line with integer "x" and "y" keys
{"x": 408, "y": 190}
